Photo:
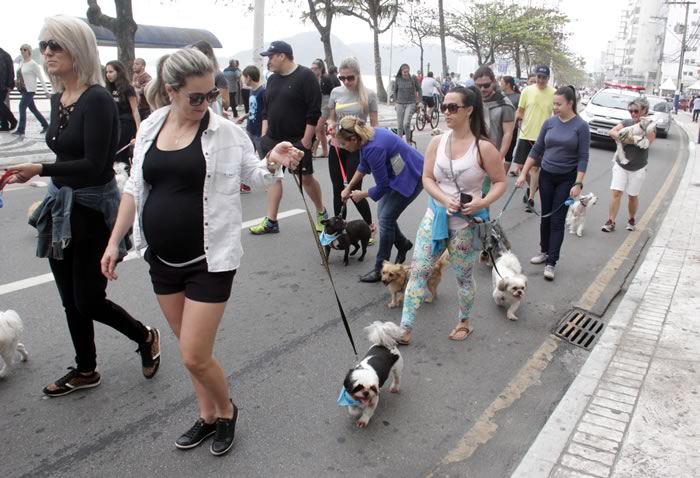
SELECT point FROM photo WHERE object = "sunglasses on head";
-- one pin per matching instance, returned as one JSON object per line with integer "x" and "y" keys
{"x": 53, "y": 44}
{"x": 197, "y": 99}
{"x": 451, "y": 107}
{"x": 347, "y": 78}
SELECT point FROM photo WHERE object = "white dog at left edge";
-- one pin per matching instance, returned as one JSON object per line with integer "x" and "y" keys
{"x": 362, "y": 383}
{"x": 10, "y": 330}
{"x": 509, "y": 283}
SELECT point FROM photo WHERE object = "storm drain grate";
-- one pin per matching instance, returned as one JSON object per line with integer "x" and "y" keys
{"x": 580, "y": 329}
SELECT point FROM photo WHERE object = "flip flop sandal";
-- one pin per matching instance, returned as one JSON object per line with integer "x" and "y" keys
{"x": 404, "y": 341}
{"x": 460, "y": 328}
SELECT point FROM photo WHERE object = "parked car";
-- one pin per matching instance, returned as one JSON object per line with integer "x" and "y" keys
{"x": 607, "y": 109}
{"x": 660, "y": 110}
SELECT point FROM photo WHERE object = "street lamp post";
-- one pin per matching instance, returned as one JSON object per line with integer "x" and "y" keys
{"x": 676, "y": 99}
{"x": 258, "y": 33}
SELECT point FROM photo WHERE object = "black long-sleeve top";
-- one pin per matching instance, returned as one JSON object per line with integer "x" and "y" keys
{"x": 291, "y": 102}
{"x": 86, "y": 142}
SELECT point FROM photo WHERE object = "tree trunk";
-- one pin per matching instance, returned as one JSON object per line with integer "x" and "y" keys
{"x": 516, "y": 59}
{"x": 381, "y": 92}
{"x": 443, "y": 49}
{"x": 123, "y": 26}
{"x": 327, "y": 49}
{"x": 422, "y": 53}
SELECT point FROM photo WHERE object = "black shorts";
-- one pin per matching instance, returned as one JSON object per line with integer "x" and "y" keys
{"x": 522, "y": 151}
{"x": 513, "y": 143}
{"x": 307, "y": 162}
{"x": 194, "y": 280}
{"x": 429, "y": 101}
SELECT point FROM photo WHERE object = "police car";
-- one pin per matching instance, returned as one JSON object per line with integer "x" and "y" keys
{"x": 607, "y": 108}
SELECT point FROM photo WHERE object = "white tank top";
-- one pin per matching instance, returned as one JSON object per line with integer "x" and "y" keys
{"x": 470, "y": 176}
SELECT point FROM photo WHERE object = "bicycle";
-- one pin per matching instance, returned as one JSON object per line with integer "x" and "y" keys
{"x": 422, "y": 117}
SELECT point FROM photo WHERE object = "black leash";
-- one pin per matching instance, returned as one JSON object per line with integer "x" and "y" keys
{"x": 568, "y": 202}
{"x": 324, "y": 258}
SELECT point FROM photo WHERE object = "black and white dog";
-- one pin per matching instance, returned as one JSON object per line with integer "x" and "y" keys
{"x": 363, "y": 382}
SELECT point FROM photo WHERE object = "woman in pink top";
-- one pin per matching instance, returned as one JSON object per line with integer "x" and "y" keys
{"x": 454, "y": 169}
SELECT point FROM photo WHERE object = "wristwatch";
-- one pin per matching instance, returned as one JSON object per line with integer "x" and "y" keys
{"x": 579, "y": 184}
{"x": 272, "y": 166}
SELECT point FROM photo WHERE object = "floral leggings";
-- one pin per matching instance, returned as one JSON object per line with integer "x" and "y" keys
{"x": 463, "y": 256}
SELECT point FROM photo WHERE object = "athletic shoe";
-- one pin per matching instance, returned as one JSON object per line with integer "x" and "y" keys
{"x": 225, "y": 434}
{"x": 71, "y": 382}
{"x": 245, "y": 189}
{"x": 18, "y": 133}
{"x": 540, "y": 258}
{"x": 549, "y": 272}
{"x": 631, "y": 224}
{"x": 609, "y": 226}
{"x": 320, "y": 216}
{"x": 266, "y": 226}
{"x": 150, "y": 353}
{"x": 530, "y": 206}
{"x": 193, "y": 437}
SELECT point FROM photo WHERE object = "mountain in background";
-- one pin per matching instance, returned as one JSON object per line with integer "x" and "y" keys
{"x": 307, "y": 47}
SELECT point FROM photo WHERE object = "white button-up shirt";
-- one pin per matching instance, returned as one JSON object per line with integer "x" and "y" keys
{"x": 230, "y": 159}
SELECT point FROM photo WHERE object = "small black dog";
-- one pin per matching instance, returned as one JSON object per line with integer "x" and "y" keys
{"x": 353, "y": 233}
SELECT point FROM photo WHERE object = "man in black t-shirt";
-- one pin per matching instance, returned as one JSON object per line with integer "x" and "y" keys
{"x": 291, "y": 109}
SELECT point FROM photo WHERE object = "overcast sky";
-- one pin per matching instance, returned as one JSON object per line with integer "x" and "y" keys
{"x": 593, "y": 21}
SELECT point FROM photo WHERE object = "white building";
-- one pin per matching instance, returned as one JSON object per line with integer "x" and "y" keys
{"x": 672, "y": 46}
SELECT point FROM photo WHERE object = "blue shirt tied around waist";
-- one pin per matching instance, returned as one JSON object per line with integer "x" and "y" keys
{"x": 376, "y": 157}
{"x": 52, "y": 217}
{"x": 441, "y": 230}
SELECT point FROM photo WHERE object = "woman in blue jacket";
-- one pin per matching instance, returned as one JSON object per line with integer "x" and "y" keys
{"x": 396, "y": 168}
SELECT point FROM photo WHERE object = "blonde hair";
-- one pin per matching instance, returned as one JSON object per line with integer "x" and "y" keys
{"x": 26, "y": 46}
{"x": 173, "y": 70}
{"x": 354, "y": 65}
{"x": 352, "y": 127}
{"x": 78, "y": 40}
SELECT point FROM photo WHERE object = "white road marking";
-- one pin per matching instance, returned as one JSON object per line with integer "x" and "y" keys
{"x": 44, "y": 278}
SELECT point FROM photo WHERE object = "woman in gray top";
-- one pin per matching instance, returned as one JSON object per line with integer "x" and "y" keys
{"x": 407, "y": 93}
{"x": 349, "y": 99}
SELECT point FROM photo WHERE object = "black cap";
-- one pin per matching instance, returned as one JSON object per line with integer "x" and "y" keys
{"x": 278, "y": 47}
{"x": 542, "y": 70}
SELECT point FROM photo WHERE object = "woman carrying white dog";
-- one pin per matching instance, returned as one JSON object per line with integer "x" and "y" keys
{"x": 629, "y": 177}
{"x": 562, "y": 149}
{"x": 456, "y": 164}
{"x": 185, "y": 192}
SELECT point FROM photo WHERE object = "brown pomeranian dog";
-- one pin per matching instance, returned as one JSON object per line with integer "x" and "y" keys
{"x": 395, "y": 278}
{"x": 32, "y": 208}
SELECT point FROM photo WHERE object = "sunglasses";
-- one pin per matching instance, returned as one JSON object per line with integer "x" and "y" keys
{"x": 633, "y": 111}
{"x": 347, "y": 78}
{"x": 483, "y": 86}
{"x": 451, "y": 107}
{"x": 53, "y": 44}
{"x": 197, "y": 99}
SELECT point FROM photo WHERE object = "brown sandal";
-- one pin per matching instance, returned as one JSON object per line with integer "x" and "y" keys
{"x": 405, "y": 338}
{"x": 466, "y": 330}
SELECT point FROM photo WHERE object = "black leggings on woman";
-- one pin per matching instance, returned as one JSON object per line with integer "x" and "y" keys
{"x": 82, "y": 286}
{"x": 350, "y": 162}
{"x": 554, "y": 190}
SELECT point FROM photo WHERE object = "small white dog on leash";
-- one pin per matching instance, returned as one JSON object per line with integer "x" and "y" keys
{"x": 10, "y": 329}
{"x": 120, "y": 175}
{"x": 576, "y": 217}
{"x": 509, "y": 283}
{"x": 635, "y": 134}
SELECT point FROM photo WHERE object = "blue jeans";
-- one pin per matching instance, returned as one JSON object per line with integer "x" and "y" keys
{"x": 390, "y": 207}
{"x": 554, "y": 190}
{"x": 27, "y": 101}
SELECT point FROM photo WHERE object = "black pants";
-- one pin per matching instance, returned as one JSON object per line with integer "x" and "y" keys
{"x": 7, "y": 119}
{"x": 127, "y": 132}
{"x": 350, "y": 162}
{"x": 82, "y": 286}
{"x": 695, "y": 114}
{"x": 232, "y": 101}
{"x": 554, "y": 190}
{"x": 245, "y": 96}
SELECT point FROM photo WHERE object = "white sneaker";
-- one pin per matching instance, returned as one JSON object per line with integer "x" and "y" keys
{"x": 540, "y": 258}
{"x": 549, "y": 272}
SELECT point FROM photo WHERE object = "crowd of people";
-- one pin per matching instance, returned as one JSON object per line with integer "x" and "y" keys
{"x": 185, "y": 153}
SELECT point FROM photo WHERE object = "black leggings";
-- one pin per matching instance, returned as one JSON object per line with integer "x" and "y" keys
{"x": 554, "y": 190}
{"x": 350, "y": 162}
{"x": 82, "y": 286}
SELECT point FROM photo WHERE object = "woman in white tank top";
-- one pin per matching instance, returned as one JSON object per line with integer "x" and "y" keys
{"x": 455, "y": 167}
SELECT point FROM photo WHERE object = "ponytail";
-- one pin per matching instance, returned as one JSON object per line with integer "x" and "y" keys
{"x": 173, "y": 70}
{"x": 569, "y": 93}
{"x": 350, "y": 127}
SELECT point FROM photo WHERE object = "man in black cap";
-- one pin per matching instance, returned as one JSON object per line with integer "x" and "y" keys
{"x": 8, "y": 121}
{"x": 534, "y": 108}
{"x": 291, "y": 110}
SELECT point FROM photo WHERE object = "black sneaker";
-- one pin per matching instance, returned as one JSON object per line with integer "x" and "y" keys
{"x": 372, "y": 276}
{"x": 530, "y": 206}
{"x": 193, "y": 437}
{"x": 71, "y": 382}
{"x": 401, "y": 254}
{"x": 225, "y": 433}
{"x": 150, "y": 353}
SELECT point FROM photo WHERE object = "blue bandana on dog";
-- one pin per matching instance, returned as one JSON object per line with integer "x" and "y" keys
{"x": 346, "y": 400}
{"x": 327, "y": 239}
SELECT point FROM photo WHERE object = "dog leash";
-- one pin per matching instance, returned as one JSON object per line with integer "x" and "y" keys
{"x": 340, "y": 163}
{"x": 568, "y": 202}
{"x": 324, "y": 259}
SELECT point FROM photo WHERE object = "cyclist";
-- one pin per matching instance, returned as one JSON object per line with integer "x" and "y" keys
{"x": 429, "y": 87}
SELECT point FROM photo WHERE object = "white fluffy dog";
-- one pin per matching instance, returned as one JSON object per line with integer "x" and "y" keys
{"x": 10, "y": 329}
{"x": 576, "y": 217}
{"x": 120, "y": 175}
{"x": 635, "y": 134}
{"x": 509, "y": 283}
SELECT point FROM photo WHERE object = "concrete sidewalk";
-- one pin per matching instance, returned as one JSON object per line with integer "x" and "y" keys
{"x": 634, "y": 409}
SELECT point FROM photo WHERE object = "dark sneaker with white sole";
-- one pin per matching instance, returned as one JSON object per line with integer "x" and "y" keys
{"x": 193, "y": 437}
{"x": 150, "y": 353}
{"x": 71, "y": 382}
{"x": 225, "y": 433}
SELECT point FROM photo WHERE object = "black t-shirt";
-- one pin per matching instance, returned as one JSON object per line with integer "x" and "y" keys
{"x": 173, "y": 215}
{"x": 291, "y": 102}
{"x": 328, "y": 82}
{"x": 84, "y": 139}
{"x": 122, "y": 102}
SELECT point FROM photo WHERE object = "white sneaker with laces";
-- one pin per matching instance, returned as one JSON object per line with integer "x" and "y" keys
{"x": 549, "y": 272}
{"x": 540, "y": 258}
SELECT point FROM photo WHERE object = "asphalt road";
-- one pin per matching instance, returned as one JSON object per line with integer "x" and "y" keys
{"x": 284, "y": 349}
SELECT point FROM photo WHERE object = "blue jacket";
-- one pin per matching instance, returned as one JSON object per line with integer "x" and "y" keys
{"x": 376, "y": 158}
